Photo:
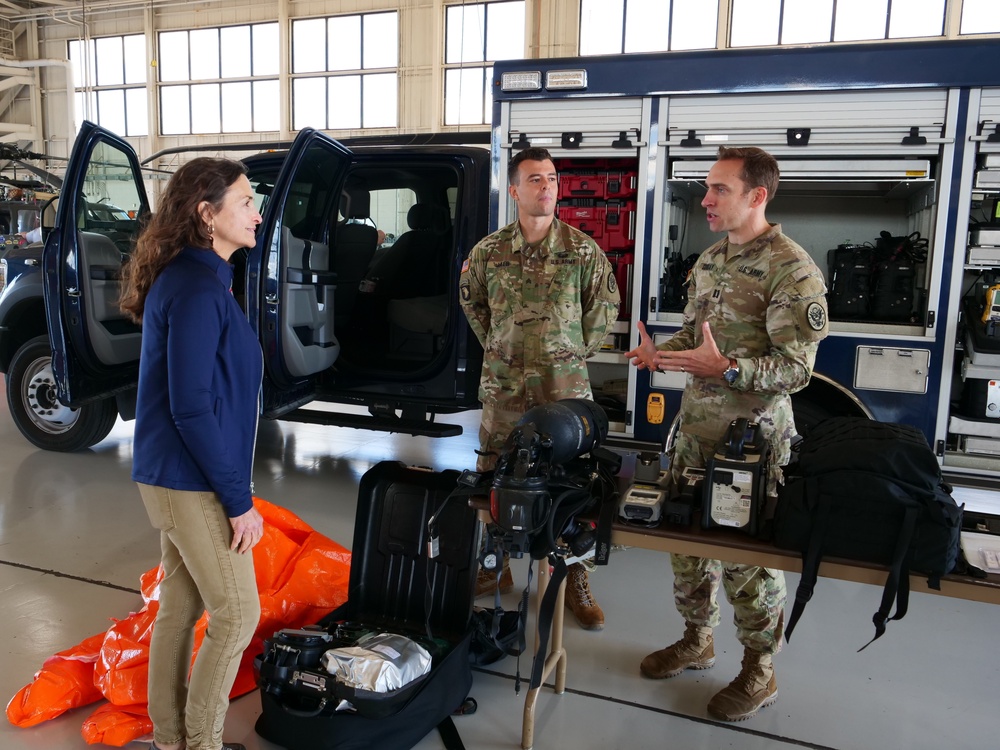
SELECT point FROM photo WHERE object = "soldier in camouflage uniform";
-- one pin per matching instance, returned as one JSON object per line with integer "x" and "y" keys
{"x": 756, "y": 313}
{"x": 541, "y": 297}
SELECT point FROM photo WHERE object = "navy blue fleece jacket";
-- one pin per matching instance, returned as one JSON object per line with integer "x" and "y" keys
{"x": 199, "y": 383}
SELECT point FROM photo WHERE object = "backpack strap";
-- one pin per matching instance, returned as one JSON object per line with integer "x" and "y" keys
{"x": 811, "y": 557}
{"x": 449, "y": 735}
{"x": 522, "y": 616}
{"x": 545, "y": 613}
{"x": 897, "y": 585}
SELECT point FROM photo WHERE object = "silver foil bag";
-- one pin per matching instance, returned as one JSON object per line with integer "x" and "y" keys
{"x": 378, "y": 663}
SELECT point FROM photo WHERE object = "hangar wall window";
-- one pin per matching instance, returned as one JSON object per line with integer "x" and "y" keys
{"x": 219, "y": 80}
{"x": 646, "y": 25}
{"x": 980, "y": 17}
{"x": 477, "y": 35}
{"x": 768, "y": 22}
{"x": 358, "y": 57}
{"x": 109, "y": 78}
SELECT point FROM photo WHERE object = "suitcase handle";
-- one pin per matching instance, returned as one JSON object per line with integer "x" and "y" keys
{"x": 304, "y": 714}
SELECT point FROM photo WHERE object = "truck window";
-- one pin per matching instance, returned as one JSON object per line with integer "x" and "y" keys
{"x": 389, "y": 208}
{"x": 110, "y": 197}
{"x": 395, "y": 310}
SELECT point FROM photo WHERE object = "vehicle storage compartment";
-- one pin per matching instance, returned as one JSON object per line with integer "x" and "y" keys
{"x": 859, "y": 175}
{"x": 598, "y": 197}
{"x": 866, "y": 225}
{"x": 973, "y": 437}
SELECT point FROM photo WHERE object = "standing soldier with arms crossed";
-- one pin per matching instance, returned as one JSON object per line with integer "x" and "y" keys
{"x": 756, "y": 313}
{"x": 541, "y": 298}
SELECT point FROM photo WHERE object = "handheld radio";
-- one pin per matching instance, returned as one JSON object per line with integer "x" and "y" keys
{"x": 991, "y": 310}
{"x": 735, "y": 485}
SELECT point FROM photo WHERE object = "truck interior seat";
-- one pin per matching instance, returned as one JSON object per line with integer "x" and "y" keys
{"x": 417, "y": 326}
{"x": 354, "y": 249}
{"x": 415, "y": 264}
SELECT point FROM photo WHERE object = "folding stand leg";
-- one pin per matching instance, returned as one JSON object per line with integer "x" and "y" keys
{"x": 555, "y": 659}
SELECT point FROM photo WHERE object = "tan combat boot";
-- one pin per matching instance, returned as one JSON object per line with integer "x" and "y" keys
{"x": 753, "y": 688}
{"x": 581, "y": 600}
{"x": 486, "y": 581}
{"x": 694, "y": 651}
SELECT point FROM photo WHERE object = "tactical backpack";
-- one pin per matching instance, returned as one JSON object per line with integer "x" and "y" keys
{"x": 868, "y": 491}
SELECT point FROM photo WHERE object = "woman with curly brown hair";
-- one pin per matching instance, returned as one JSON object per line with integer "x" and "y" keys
{"x": 196, "y": 422}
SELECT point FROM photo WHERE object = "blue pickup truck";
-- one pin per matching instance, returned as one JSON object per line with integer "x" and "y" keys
{"x": 343, "y": 315}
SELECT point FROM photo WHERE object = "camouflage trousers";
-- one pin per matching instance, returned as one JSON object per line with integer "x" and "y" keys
{"x": 757, "y": 594}
{"x": 494, "y": 428}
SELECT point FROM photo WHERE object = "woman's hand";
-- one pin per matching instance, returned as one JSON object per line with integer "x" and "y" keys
{"x": 247, "y": 530}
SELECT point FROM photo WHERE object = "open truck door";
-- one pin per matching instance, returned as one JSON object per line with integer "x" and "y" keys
{"x": 67, "y": 384}
{"x": 293, "y": 304}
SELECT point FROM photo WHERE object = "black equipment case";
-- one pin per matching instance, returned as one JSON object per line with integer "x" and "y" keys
{"x": 394, "y": 588}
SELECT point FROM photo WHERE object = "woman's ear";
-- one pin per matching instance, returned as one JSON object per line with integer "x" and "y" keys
{"x": 206, "y": 212}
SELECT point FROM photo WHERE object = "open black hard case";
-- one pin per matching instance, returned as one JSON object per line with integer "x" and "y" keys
{"x": 395, "y": 588}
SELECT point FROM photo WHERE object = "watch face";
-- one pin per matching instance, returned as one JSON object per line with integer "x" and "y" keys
{"x": 730, "y": 375}
{"x": 490, "y": 561}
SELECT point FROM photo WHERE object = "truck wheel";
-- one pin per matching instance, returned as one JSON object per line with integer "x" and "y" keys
{"x": 40, "y": 416}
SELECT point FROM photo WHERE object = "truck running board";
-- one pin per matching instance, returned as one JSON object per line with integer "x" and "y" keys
{"x": 367, "y": 422}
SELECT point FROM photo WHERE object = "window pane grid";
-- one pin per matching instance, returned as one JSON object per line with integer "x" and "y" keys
{"x": 218, "y": 70}
{"x": 476, "y": 36}
{"x": 785, "y": 22}
{"x": 109, "y": 75}
{"x": 357, "y": 57}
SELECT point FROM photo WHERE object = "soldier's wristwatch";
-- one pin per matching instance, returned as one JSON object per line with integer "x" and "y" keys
{"x": 732, "y": 372}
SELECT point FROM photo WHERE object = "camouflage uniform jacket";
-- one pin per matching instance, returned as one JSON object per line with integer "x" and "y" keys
{"x": 538, "y": 313}
{"x": 765, "y": 302}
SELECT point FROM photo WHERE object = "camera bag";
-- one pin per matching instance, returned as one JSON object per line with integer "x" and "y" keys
{"x": 868, "y": 491}
{"x": 850, "y": 278}
{"x": 413, "y": 573}
{"x": 894, "y": 276}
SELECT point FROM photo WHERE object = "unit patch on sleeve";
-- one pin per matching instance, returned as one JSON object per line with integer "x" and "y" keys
{"x": 816, "y": 316}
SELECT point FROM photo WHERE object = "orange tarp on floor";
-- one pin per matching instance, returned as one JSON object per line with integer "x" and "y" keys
{"x": 301, "y": 576}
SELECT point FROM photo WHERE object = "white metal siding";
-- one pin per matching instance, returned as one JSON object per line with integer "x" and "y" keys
{"x": 858, "y": 121}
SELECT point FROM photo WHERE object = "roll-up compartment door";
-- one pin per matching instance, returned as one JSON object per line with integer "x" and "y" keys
{"x": 904, "y": 122}
{"x": 591, "y": 125}
{"x": 989, "y": 121}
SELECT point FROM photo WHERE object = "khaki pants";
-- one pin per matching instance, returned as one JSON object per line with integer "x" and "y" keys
{"x": 200, "y": 573}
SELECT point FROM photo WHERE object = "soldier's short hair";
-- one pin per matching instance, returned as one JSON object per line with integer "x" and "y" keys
{"x": 534, "y": 153}
{"x": 760, "y": 169}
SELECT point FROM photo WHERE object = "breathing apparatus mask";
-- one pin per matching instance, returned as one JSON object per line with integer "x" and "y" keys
{"x": 552, "y": 469}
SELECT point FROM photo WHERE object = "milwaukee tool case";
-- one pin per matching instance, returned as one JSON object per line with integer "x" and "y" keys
{"x": 393, "y": 587}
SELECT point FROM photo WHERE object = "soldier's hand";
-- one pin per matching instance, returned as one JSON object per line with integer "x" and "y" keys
{"x": 705, "y": 362}
{"x": 644, "y": 355}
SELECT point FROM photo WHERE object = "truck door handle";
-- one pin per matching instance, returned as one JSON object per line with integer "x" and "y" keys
{"x": 271, "y": 299}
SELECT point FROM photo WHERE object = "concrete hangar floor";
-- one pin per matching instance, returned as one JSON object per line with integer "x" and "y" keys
{"x": 74, "y": 539}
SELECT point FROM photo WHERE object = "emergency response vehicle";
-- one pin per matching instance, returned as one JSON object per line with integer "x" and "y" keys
{"x": 890, "y": 162}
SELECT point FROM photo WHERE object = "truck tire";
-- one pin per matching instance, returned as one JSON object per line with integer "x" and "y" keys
{"x": 40, "y": 416}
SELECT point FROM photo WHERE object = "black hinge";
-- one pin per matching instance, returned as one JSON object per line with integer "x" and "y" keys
{"x": 939, "y": 448}
{"x": 930, "y": 318}
{"x": 652, "y": 304}
{"x": 628, "y": 417}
